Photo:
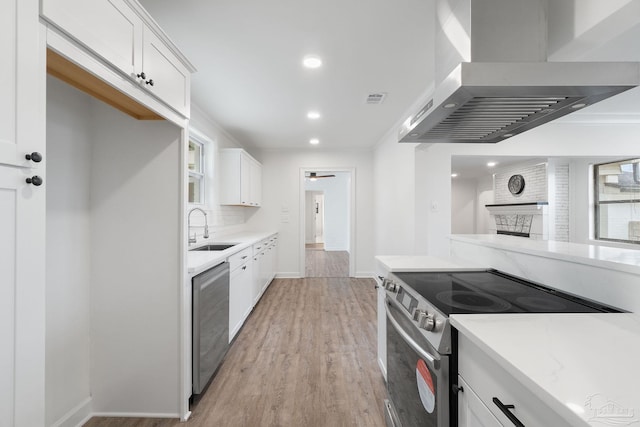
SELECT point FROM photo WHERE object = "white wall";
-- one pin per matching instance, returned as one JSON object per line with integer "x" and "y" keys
{"x": 102, "y": 261}
{"x": 221, "y": 219}
{"x": 281, "y": 185}
{"x": 395, "y": 186}
{"x": 309, "y": 223}
{"x": 135, "y": 306}
{"x": 485, "y": 196}
{"x": 68, "y": 249}
{"x": 464, "y": 205}
{"x": 336, "y": 209}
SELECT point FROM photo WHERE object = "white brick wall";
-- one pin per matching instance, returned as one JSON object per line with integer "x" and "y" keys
{"x": 535, "y": 188}
{"x": 561, "y": 203}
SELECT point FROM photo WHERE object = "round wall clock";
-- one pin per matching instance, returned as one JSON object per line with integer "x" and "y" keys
{"x": 516, "y": 184}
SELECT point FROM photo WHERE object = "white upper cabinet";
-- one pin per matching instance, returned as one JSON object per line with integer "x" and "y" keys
{"x": 125, "y": 36}
{"x": 109, "y": 28}
{"x": 241, "y": 178}
{"x": 165, "y": 75}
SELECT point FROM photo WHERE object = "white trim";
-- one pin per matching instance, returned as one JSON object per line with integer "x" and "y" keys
{"x": 289, "y": 275}
{"x": 364, "y": 275}
{"x": 352, "y": 215}
{"x": 135, "y": 415}
{"x": 77, "y": 416}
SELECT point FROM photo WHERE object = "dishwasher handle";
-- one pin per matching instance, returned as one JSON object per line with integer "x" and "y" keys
{"x": 210, "y": 276}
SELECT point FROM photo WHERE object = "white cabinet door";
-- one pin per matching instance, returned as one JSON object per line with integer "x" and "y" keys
{"x": 22, "y": 216}
{"x": 255, "y": 176}
{"x": 241, "y": 178}
{"x": 165, "y": 76}
{"x": 258, "y": 267}
{"x": 110, "y": 28}
{"x": 471, "y": 411}
{"x": 240, "y": 297}
{"x": 245, "y": 179}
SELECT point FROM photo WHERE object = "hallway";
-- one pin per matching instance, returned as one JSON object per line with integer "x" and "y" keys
{"x": 321, "y": 263}
{"x": 305, "y": 357}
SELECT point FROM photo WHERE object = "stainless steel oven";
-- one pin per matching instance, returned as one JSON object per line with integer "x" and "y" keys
{"x": 417, "y": 375}
{"x": 421, "y": 345}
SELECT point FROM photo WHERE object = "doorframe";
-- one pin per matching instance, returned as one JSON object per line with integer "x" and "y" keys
{"x": 352, "y": 215}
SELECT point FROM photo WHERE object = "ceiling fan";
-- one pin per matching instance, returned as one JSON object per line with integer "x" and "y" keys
{"x": 314, "y": 176}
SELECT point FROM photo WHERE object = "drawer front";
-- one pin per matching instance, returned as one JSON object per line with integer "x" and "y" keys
{"x": 238, "y": 259}
{"x": 260, "y": 247}
{"x": 489, "y": 380}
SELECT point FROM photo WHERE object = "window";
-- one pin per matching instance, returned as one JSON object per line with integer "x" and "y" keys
{"x": 196, "y": 172}
{"x": 617, "y": 201}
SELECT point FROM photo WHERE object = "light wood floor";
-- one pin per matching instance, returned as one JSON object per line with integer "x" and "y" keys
{"x": 320, "y": 263}
{"x": 306, "y": 357}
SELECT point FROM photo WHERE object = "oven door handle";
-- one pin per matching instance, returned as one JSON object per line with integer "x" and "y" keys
{"x": 429, "y": 359}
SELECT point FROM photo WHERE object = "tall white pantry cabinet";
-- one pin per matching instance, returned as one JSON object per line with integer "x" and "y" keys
{"x": 22, "y": 215}
{"x": 132, "y": 175}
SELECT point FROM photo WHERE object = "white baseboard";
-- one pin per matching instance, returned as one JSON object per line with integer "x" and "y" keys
{"x": 77, "y": 416}
{"x": 364, "y": 275}
{"x": 289, "y": 275}
{"x": 136, "y": 415}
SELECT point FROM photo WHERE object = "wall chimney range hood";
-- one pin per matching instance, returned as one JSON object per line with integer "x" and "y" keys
{"x": 493, "y": 80}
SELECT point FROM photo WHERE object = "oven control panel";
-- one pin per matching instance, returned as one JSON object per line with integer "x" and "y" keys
{"x": 433, "y": 324}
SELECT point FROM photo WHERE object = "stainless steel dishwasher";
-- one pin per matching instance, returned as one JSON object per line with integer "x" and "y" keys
{"x": 210, "y": 323}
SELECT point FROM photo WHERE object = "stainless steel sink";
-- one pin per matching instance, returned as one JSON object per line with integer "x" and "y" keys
{"x": 214, "y": 247}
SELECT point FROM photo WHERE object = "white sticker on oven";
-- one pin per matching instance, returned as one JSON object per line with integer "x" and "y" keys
{"x": 425, "y": 386}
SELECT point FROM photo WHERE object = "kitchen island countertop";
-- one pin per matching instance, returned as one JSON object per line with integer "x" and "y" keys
{"x": 413, "y": 263}
{"x": 578, "y": 364}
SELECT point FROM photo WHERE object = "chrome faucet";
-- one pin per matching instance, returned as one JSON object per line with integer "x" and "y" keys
{"x": 206, "y": 226}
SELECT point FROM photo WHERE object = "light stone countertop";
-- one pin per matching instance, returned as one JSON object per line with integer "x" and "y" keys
{"x": 627, "y": 260}
{"x": 411, "y": 263}
{"x": 581, "y": 365}
{"x": 199, "y": 261}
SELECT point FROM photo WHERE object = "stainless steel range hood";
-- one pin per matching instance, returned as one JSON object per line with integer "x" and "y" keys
{"x": 506, "y": 86}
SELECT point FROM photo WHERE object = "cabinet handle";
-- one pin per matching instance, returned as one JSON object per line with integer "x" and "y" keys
{"x": 35, "y": 180}
{"x": 35, "y": 157}
{"x": 244, "y": 267}
{"x": 506, "y": 411}
{"x": 142, "y": 75}
{"x": 149, "y": 82}
{"x": 457, "y": 388}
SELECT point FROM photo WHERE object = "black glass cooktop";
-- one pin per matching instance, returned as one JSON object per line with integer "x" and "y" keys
{"x": 494, "y": 292}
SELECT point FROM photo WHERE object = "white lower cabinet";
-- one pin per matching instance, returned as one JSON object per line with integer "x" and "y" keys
{"x": 240, "y": 300}
{"x": 491, "y": 396}
{"x": 471, "y": 410}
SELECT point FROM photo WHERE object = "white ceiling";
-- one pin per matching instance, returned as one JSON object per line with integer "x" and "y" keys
{"x": 250, "y": 79}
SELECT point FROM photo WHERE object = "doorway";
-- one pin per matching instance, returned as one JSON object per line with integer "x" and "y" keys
{"x": 326, "y": 243}
{"x": 314, "y": 219}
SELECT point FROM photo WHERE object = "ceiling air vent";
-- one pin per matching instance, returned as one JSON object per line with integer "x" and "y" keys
{"x": 376, "y": 98}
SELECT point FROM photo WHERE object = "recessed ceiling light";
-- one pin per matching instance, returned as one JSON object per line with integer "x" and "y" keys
{"x": 507, "y": 135}
{"x": 314, "y": 141}
{"x": 491, "y": 164}
{"x": 453, "y": 175}
{"x": 450, "y": 105}
{"x": 580, "y": 105}
{"x": 312, "y": 61}
{"x": 313, "y": 115}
